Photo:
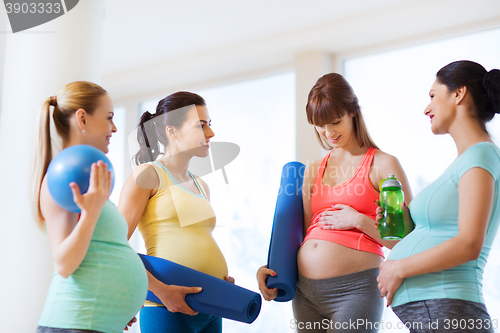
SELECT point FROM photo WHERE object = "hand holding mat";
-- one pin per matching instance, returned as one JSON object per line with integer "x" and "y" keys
{"x": 218, "y": 297}
{"x": 286, "y": 236}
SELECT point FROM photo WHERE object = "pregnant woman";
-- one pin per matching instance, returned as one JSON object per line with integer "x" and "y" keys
{"x": 99, "y": 282}
{"x": 433, "y": 277}
{"x": 172, "y": 210}
{"x": 339, "y": 258}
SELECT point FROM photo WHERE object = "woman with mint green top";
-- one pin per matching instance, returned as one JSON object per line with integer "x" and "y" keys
{"x": 433, "y": 277}
{"x": 99, "y": 283}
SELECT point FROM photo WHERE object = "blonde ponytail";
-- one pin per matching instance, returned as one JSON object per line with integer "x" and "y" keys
{"x": 42, "y": 155}
{"x": 76, "y": 95}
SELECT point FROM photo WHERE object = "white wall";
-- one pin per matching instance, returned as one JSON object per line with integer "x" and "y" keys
{"x": 37, "y": 64}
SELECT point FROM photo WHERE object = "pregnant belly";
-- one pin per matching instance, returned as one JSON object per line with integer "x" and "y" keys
{"x": 111, "y": 282}
{"x": 196, "y": 250}
{"x": 320, "y": 259}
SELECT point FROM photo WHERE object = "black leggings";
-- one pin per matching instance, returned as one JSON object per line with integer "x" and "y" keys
{"x": 445, "y": 315}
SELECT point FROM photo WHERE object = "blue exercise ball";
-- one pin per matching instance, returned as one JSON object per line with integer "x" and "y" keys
{"x": 73, "y": 165}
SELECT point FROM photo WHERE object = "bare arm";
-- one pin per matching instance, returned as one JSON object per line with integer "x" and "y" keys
{"x": 475, "y": 192}
{"x": 70, "y": 237}
{"x": 135, "y": 194}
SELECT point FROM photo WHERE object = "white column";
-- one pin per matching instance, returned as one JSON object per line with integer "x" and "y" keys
{"x": 38, "y": 62}
{"x": 131, "y": 121}
{"x": 4, "y": 28}
{"x": 309, "y": 67}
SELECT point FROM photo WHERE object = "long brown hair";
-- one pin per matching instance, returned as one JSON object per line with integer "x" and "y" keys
{"x": 331, "y": 98}
{"x": 76, "y": 95}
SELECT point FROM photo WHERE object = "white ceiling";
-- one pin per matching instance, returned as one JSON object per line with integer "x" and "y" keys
{"x": 152, "y": 45}
{"x": 142, "y": 31}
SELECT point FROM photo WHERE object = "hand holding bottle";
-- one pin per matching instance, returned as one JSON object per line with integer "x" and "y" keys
{"x": 391, "y": 225}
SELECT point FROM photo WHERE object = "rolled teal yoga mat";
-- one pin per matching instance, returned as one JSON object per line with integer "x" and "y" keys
{"x": 218, "y": 297}
{"x": 287, "y": 232}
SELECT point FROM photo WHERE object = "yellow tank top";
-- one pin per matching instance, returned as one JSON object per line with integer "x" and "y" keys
{"x": 177, "y": 225}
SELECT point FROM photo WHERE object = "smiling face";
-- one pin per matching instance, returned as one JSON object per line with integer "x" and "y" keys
{"x": 442, "y": 108}
{"x": 99, "y": 125}
{"x": 339, "y": 133}
{"x": 195, "y": 134}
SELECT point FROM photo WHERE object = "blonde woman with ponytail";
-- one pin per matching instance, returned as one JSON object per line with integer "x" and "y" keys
{"x": 99, "y": 283}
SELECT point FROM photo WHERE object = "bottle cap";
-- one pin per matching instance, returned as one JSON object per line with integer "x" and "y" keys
{"x": 391, "y": 181}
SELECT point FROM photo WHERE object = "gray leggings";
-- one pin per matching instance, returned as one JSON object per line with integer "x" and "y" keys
{"x": 445, "y": 315}
{"x": 348, "y": 303}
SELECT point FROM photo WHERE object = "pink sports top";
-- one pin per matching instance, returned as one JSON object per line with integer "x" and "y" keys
{"x": 358, "y": 193}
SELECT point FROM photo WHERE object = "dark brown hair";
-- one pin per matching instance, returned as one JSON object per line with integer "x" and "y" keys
{"x": 483, "y": 86}
{"x": 331, "y": 98}
{"x": 152, "y": 133}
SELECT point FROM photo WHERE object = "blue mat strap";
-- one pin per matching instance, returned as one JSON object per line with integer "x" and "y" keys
{"x": 287, "y": 232}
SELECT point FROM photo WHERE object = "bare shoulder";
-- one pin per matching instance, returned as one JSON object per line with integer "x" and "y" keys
{"x": 385, "y": 161}
{"x": 145, "y": 176}
{"x": 312, "y": 169}
{"x": 383, "y": 165}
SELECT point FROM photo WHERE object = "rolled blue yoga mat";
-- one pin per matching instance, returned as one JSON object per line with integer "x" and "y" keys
{"x": 286, "y": 236}
{"x": 218, "y": 297}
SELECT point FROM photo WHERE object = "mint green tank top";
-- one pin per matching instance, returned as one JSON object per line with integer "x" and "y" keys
{"x": 435, "y": 214}
{"x": 107, "y": 289}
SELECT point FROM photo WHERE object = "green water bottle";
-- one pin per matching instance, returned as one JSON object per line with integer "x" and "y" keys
{"x": 391, "y": 225}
